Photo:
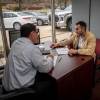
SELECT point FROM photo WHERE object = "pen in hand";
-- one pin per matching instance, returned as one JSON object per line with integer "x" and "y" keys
{"x": 59, "y": 59}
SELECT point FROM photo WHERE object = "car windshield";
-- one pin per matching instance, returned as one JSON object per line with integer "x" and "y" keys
{"x": 22, "y": 14}
{"x": 68, "y": 8}
{"x": 34, "y": 13}
{"x": 38, "y": 13}
{"x": 29, "y": 13}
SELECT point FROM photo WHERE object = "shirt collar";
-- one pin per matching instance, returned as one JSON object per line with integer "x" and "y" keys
{"x": 24, "y": 39}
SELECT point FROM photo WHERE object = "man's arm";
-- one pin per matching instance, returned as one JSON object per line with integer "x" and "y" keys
{"x": 64, "y": 42}
{"x": 90, "y": 48}
{"x": 41, "y": 63}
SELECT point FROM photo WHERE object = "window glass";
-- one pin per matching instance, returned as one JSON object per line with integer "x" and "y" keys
{"x": 41, "y": 12}
{"x": 9, "y": 15}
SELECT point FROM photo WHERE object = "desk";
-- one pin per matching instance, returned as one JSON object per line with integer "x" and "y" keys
{"x": 74, "y": 77}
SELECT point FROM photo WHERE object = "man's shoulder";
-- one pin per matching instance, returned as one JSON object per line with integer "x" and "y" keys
{"x": 90, "y": 33}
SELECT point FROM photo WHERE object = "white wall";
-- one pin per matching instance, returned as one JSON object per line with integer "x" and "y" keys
{"x": 88, "y": 11}
{"x": 95, "y": 17}
{"x": 80, "y": 11}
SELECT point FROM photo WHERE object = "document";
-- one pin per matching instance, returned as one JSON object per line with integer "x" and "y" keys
{"x": 45, "y": 47}
{"x": 55, "y": 60}
{"x": 61, "y": 51}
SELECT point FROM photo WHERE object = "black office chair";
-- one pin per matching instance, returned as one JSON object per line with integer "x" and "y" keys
{"x": 18, "y": 94}
{"x": 97, "y": 62}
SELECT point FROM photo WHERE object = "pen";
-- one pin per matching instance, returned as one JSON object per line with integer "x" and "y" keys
{"x": 59, "y": 59}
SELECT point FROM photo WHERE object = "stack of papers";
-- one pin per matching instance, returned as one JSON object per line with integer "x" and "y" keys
{"x": 45, "y": 47}
{"x": 55, "y": 60}
{"x": 62, "y": 50}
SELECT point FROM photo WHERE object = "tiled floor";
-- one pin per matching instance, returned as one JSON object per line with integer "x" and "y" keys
{"x": 96, "y": 89}
{"x": 96, "y": 92}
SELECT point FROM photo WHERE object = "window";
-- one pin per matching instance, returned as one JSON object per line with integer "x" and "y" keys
{"x": 9, "y": 15}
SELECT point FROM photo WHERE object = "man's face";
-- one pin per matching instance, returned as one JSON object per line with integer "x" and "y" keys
{"x": 79, "y": 30}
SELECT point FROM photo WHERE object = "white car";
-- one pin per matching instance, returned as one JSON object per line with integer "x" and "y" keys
{"x": 42, "y": 19}
{"x": 16, "y": 19}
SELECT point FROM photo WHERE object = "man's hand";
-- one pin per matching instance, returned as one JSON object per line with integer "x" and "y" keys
{"x": 72, "y": 52}
{"x": 54, "y": 45}
{"x": 50, "y": 55}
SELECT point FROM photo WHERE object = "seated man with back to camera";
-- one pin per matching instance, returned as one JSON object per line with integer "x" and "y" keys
{"x": 24, "y": 61}
{"x": 81, "y": 42}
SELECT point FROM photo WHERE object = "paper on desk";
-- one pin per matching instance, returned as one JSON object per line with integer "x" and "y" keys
{"x": 55, "y": 60}
{"x": 45, "y": 45}
{"x": 62, "y": 50}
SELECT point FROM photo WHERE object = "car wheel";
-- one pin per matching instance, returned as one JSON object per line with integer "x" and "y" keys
{"x": 69, "y": 24}
{"x": 39, "y": 22}
{"x": 16, "y": 26}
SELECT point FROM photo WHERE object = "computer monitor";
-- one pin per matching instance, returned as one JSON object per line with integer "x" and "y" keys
{"x": 13, "y": 35}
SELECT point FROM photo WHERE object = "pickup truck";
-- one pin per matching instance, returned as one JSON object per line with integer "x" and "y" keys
{"x": 63, "y": 18}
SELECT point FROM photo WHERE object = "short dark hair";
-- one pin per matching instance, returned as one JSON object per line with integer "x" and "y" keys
{"x": 82, "y": 23}
{"x": 26, "y": 29}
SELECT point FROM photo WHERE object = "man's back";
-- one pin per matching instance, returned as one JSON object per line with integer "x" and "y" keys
{"x": 24, "y": 60}
{"x": 19, "y": 66}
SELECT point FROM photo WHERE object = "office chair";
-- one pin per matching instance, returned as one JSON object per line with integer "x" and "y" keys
{"x": 18, "y": 94}
{"x": 97, "y": 61}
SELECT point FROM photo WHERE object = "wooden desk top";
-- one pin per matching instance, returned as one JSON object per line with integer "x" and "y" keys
{"x": 68, "y": 64}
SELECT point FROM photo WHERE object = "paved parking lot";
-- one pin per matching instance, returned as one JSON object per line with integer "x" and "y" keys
{"x": 46, "y": 33}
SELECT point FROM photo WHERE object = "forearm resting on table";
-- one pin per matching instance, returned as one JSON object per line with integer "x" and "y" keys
{"x": 86, "y": 52}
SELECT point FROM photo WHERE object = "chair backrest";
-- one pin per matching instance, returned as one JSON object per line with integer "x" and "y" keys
{"x": 18, "y": 94}
{"x": 97, "y": 61}
{"x": 97, "y": 47}
{"x": 97, "y": 51}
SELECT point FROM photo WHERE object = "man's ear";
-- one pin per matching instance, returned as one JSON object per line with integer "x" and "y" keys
{"x": 31, "y": 36}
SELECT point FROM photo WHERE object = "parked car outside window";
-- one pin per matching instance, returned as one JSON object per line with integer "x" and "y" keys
{"x": 16, "y": 19}
{"x": 42, "y": 19}
{"x": 63, "y": 18}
